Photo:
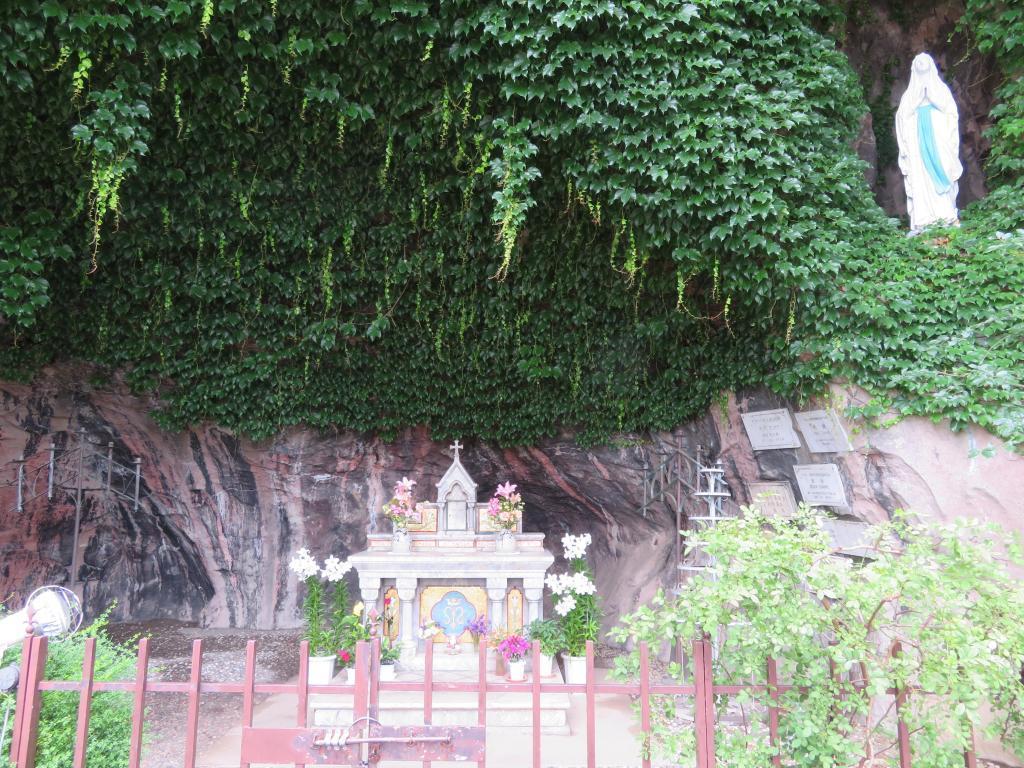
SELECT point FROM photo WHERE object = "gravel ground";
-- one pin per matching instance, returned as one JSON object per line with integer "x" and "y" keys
{"x": 277, "y": 660}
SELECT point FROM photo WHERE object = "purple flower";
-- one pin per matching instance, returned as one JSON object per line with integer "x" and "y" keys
{"x": 479, "y": 626}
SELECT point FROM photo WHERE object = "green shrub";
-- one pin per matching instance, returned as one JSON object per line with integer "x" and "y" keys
{"x": 550, "y": 634}
{"x": 943, "y": 590}
{"x": 111, "y": 712}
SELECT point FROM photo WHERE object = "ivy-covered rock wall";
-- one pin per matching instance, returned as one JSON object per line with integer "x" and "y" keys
{"x": 498, "y": 219}
{"x": 487, "y": 219}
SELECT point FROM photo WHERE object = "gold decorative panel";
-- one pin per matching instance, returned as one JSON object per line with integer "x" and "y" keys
{"x": 392, "y": 612}
{"x": 456, "y": 610}
{"x": 484, "y": 524}
{"x": 427, "y": 519}
{"x": 514, "y": 610}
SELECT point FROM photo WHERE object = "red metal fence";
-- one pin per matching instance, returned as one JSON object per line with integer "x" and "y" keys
{"x": 367, "y": 741}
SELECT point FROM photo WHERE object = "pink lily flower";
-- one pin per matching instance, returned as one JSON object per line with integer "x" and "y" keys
{"x": 506, "y": 490}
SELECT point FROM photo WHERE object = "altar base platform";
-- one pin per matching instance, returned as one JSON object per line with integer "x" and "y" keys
{"x": 511, "y": 712}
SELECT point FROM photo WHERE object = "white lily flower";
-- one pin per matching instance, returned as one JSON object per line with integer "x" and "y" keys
{"x": 565, "y": 605}
{"x": 335, "y": 569}
{"x": 304, "y": 565}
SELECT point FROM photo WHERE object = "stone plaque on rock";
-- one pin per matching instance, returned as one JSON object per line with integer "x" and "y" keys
{"x": 822, "y": 431}
{"x": 821, "y": 485}
{"x": 775, "y": 499}
{"x": 768, "y": 430}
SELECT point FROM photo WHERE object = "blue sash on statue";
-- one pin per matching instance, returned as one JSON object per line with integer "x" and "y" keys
{"x": 930, "y": 152}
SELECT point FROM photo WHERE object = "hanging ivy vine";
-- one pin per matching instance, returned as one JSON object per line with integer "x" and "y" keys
{"x": 496, "y": 219}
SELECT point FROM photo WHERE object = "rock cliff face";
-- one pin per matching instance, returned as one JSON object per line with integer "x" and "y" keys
{"x": 218, "y": 517}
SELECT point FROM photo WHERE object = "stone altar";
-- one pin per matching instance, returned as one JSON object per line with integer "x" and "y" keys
{"x": 452, "y": 547}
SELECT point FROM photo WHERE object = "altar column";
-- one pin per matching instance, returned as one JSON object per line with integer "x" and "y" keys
{"x": 534, "y": 591}
{"x": 407, "y": 634}
{"x": 497, "y": 587}
{"x": 369, "y": 589}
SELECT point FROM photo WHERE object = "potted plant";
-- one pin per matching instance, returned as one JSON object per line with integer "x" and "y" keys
{"x": 505, "y": 510}
{"x": 321, "y": 630}
{"x": 345, "y": 660}
{"x": 577, "y": 605}
{"x": 479, "y": 628}
{"x": 552, "y": 642}
{"x": 400, "y": 510}
{"x": 389, "y": 653}
{"x": 514, "y": 649}
{"x": 349, "y": 629}
{"x": 494, "y": 640}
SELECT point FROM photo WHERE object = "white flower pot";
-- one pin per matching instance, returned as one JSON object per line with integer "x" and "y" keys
{"x": 321, "y": 670}
{"x": 517, "y": 671}
{"x": 545, "y": 665}
{"x": 507, "y": 542}
{"x": 575, "y": 669}
{"x": 401, "y": 541}
{"x": 387, "y": 673}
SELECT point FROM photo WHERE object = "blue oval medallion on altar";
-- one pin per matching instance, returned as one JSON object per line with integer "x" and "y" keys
{"x": 453, "y": 613}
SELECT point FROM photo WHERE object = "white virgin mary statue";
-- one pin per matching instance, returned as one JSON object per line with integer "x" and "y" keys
{"x": 928, "y": 131}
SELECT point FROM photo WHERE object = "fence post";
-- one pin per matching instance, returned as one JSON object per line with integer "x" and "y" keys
{"x": 84, "y": 703}
{"x": 970, "y": 758}
{"x": 195, "y": 678}
{"x": 302, "y": 689}
{"x": 27, "y": 648}
{"x": 902, "y": 732}
{"x": 428, "y": 689}
{"x": 139, "y": 704}
{"x": 591, "y": 708}
{"x": 535, "y": 699}
{"x": 31, "y": 705}
{"x": 773, "y": 711}
{"x": 361, "y": 687}
{"x": 481, "y": 695}
{"x": 704, "y": 703}
{"x": 645, "y": 703}
{"x": 248, "y": 691}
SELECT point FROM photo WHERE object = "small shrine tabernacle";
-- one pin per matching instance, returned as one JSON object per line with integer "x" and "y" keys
{"x": 455, "y": 568}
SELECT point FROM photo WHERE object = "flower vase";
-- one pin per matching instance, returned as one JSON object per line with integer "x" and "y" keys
{"x": 401, "y": 541}
{"x": 575, "y": 669}
{"x": 507, "y": 542}
{"x": 545, "y": 665}
{"x": 321, "y": 670}
{"x": 517, "y": 671}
